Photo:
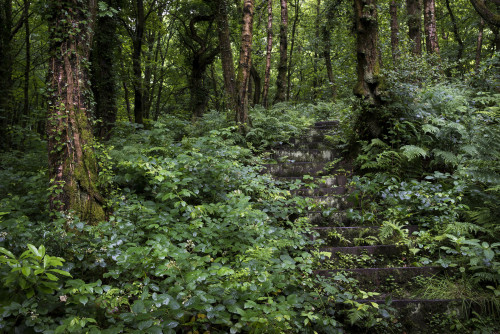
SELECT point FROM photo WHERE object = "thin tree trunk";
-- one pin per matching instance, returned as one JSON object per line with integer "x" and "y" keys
{"x": 6, "y": 61}
{"x": 28, "y": 59}
{"x": 269, "y": 48}
{"x": 479, "y": 46}
{"x": 327, "y": 45}
{"x": 456, "y": 31}
{"x": 226, "y": 55}
{"x": 136, "y": 63}
{"x": 72, "y": 162}
{"x": 127, "y": 101}
{"x": 414, "y": 11}
{"x": 290, "y": 58}
{"x": 282, "y": 67}
{"x": 394, "y": 31}
{"x": 431, "y": 36}
{"x": 316, "y": 79}
{"x": 245, "y": 63}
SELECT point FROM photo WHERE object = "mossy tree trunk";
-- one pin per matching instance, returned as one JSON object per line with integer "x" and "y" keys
{"x": 72, "y": 161}
{"x": 368, "y": 67}
{"x": 269, "y": 48}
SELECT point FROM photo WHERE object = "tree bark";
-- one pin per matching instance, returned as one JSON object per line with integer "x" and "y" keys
{"x": 137, "y": 40}
{"x": 257, "y": 83}
{"x": 282, "y": 67}
{"x": 226, "y": 55}
{"x": 479, "y": 46}
{"x": 431, "y": 36}
{"x": 456, "y": 32}
{"x": 104, "y": 76}
{"x": 72, "y": 162}
{"x": 368, "y": 61}
{"x": 368, "y": 67}
{"x": 27, "y": 65}
{"x": 6, "y": 62}
{"x": 414, "y": 11}
{"x": 269, "y": 48}
{"x": 394, "y": 31}
{"x": 486, "y": 13}
{"x": 327, "y": 45}
{"x": 245, "y": 63}
{"x": 290, "y": 58}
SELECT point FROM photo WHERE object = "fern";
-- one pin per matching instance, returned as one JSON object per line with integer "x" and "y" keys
{"x": 449, "y": 158}
{"x": 412, "y": 151}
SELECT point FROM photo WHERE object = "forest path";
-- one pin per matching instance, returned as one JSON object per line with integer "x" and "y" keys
{"x": 348, "y": 247}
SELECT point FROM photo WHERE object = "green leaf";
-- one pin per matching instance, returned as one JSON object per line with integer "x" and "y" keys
{"x": 26, "y": 271}
{"x": 7, "y": 253}
{"x": 83, "y": 299}
{"x": 138, "y": 307}
{"x": 51, "y": 277}
{"x": 61, "y": 272}
{"x": 34, "y": 250}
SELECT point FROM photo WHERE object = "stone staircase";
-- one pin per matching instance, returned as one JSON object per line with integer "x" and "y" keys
{"x": 353, "y": 249}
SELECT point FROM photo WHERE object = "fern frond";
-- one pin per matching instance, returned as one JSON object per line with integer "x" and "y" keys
{"x": 412, "y": 151}
{"x": 428, "y": 128}
{"x": 448, "y": 158}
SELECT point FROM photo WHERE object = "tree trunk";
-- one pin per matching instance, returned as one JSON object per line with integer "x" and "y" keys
{"x": 103, "y": 78}
{"x": 455, "y": 31}
{"x": 282, "y": 67}
{"x": 479, "y": 45}
{"x": 290, "y": 64}
{"x": 327, "y": 45}
{"x": 72, "y": 162}
{"x": 394, "y": 31}
{"x": 269, "y": 48}
{"x": 136, "y": 63}
{"x": 26, "y": 105}
{"x": 257, "y": 83}
{"x": 487, "y": 15}
{"x": 368, "y": 67}
{"x": 414, "y": 11}
{"x": 226, "y": 55}
{"x": 6, "y": 61}
{"x": 245, "y": 63}
{"x": 431, "y": 37}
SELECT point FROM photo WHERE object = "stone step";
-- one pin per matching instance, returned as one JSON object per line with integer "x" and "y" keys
{"x": 350, "y": 235}
{"x": 303, "y": 155}
{"x": 382, "y": 279}
{"x": 386, "y": 250}
{"x": 319, "y": 191}
{"x": 320, "y": 203}
{"x": 327, "y": 124}
{"x": 321, "y": 182}
{"x": 295, "y": 168}
{"x": 328, "y": 218}
{"x": 306, "y": 145}
{"x": 416, "y": 316}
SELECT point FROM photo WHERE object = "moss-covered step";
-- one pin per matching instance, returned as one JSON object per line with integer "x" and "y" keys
{"x": 303, "y": 155}
{"x": 295, "y": 168}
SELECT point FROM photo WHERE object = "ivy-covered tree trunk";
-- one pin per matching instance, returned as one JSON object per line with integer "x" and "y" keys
{"x": 368, "y": 67}
{"x": 431, "y": 37}
{"x": 269, "y": 48}
{"x": 282, "y": 66}
{"x": 245, "y": 63}
{"x": 72, "y": 161}
{"x": 104, "y": 79}
{"x": 414, "y": 11}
